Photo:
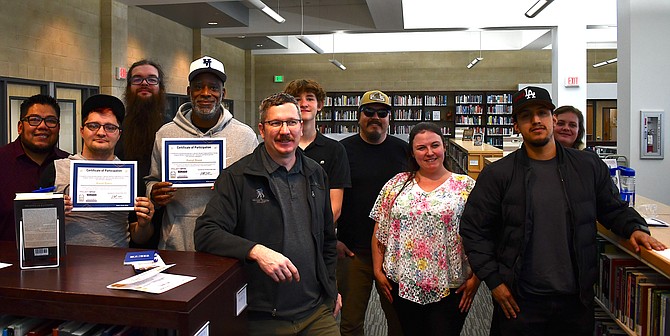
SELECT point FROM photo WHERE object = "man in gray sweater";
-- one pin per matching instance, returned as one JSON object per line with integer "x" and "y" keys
{"x": 203, "y": 117}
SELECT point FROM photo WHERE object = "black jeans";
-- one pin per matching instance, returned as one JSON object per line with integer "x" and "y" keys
{"x": 545, "y": 315}
{"x": 441, "y": 318}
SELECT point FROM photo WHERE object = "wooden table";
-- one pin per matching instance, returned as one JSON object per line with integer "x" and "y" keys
{"x": 77, "y": 291}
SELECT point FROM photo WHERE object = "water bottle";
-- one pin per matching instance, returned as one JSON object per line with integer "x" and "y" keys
{"x": 614, "y": 175}
{"x": 627, "y": 185}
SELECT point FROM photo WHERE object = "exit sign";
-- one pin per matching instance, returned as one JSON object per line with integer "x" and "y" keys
{"x": 279, "y": 79}
{"x": 571, "y": 81}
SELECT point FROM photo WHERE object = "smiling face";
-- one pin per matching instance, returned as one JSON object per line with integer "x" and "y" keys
{"x": 309, "y": 105}
{"x": 40, "y": 138}
{"x": 206, "y": 92}
{"x": 374, "y": 127}
{"x": 99, "y": 143}
{"x": 428, "y": 151}
{"x": 536, "y": 124}
{"x": 144, "y": 90}
{"x": 566, "y": 129}
{"x": 281, "y": 141}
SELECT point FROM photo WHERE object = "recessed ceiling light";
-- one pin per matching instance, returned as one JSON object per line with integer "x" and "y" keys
{"x": 259, "y": 46}
{"x": 212, "y": 23}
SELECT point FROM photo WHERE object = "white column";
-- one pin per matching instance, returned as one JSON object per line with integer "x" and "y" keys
{"x": 643, "y": 70}
{"x": 568, "y": 57}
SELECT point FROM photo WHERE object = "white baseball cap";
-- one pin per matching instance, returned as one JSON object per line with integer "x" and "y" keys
{"x": 207, "y": 64}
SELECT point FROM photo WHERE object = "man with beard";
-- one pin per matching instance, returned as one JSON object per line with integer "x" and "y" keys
{"x": 529, "y": 227}
{"x": 374, "y": 158}
{"x": 26, "y": 158}
{"x": 203, "y": 117}
{"x": 145, "y": 108}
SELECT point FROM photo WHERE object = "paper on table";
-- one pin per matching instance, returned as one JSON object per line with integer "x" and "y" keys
{"x": 152, "y": 281}
{"x": 655, "y": 222}
{"x": 3, "y": 265}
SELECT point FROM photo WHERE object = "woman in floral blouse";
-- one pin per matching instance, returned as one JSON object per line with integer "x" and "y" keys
{"x": 418, "y": 258}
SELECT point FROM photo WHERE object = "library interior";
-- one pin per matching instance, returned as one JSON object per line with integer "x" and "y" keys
{"x": 453, "y": 63}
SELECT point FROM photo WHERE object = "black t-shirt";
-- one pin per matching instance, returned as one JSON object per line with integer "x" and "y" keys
{"x": 332, "y": 157}
{"x": 548, "y": 268}
{"x": 371, "y": 167}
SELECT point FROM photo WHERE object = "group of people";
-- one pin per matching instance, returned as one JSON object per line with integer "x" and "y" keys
{"x": 317, "y": 223}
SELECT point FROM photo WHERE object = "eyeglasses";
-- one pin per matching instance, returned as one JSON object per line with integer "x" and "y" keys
{"x": 35, "y": 121}
{"x": 109, "y": 128}
{"x": 137, "y": 80}
{"x": 279, "y": 123}
{"x": 370, "y": 112}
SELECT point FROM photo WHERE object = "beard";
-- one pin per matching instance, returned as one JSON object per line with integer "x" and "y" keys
{"x": 539, "y": 142}
{"x": 31, "y": 147}
{"x": 373, "y": 135}
{"x": 207, "y": 114}
{"x": 144, "y": 116}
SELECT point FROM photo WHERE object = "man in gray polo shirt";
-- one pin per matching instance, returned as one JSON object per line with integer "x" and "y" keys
{"x": 272, "y": 210}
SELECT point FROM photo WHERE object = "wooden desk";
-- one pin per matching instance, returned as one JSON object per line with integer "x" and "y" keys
{"x": 466, "y": 158}
{"x": 77, "y": 291}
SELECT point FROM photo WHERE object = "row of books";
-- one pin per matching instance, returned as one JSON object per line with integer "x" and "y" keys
{"x": 499, "y": 109}
{"x": 469, "y": 109}
{"x": 407, "y": 100}
{"x": 499, "y": 120}
{"x": 404, "y": 114}
{"x": 469, "y": 98}
{"x": 32, "y": 326}
{"x": 635, "y": 294}
{"x": 500, "y": 98}
{"x": 468, "y": 120}
{"x": 605, "y": 326}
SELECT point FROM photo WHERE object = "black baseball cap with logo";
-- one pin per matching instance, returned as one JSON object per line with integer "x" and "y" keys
{"x": 531, "y": 95}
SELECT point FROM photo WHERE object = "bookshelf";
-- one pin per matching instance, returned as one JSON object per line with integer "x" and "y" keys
{"x": 339, "y": 114}
{"x": 488, "y": 113}
{"x": 498, "y": 118}
{"x": 652, "y": 259}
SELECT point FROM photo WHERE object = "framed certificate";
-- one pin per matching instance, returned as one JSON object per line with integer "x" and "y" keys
{"x": 103, "y": 185}
{"x": 193, "y": 162}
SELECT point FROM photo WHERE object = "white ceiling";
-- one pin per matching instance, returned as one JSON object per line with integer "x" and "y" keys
{"x": 391, "y": 25}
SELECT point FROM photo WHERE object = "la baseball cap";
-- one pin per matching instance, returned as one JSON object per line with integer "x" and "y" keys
{"x": 531, "y": 95}
{"x": 207, "y": 64}
{"x": 375, "y": 97}
{"x": 104, "y": 101}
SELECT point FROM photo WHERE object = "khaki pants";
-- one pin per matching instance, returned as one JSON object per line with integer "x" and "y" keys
{"x": 354, "y": 282}
{"x": 321, "y": 322}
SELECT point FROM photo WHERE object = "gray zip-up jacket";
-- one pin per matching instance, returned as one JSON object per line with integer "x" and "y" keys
{"x": 189, "y": 203}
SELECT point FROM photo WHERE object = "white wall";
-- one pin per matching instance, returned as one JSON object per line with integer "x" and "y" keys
{"x": 643, "y": 72}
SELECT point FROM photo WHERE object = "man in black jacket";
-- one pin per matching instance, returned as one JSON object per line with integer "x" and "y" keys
{"x": 272, "y": 211}
{"x": 529, "y": 227}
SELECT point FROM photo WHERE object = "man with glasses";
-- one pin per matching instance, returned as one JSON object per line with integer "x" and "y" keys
{"x": 203, "y": 117}
{"x": 271, "y": 210}
{"x": 145, "y": 99}
{"x": 26, "y": 158}
{"x": 374, "y": 158}
{"x": 101, "y": 118}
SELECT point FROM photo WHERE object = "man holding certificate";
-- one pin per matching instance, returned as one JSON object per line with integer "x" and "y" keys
{"x": 103, "y": 191}
{"x": 191, "y": 150}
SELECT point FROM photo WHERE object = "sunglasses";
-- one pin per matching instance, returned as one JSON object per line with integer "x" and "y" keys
{"x": 370, "y": 112}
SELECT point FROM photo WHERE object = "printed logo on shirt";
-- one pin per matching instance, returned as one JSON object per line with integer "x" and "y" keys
{"x": 260, "y": 197}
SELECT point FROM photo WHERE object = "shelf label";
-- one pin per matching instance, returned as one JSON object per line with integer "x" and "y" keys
{"x": 474, "y": 162}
